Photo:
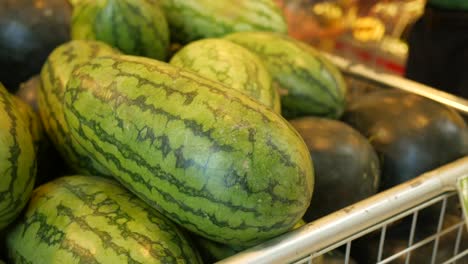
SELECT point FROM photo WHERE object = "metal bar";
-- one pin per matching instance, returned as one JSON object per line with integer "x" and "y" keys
{"x": 355, "y": 218}
{"x": 458, "y": 240}
{"x": 400, "y": 83}
{"x": 412, "y": 232}
{"x": 348, "y": 252}
{"x": 381, "y": 243}
{"x": 457, "y": 257}
{"x": 439, "y": 228}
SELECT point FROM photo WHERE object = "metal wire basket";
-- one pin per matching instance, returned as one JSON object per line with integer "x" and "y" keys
{"x": 404, "y": 211}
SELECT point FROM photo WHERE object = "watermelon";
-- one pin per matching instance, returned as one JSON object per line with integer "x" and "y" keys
{"x": 411, "y": 134}
{"x": 29, "y": 31}
{"x": 190, "y": 20}
{"x": 17, "y": 159}
{"x": 136, "y": 27}
{"x": 347, "y": 168}
{"x": 210, "y": 158}
{"x": 86, "y": 219}
{"x": 231, "y": 64}
{"x": 54, "y": 77}
{"x": 310, "y": 85}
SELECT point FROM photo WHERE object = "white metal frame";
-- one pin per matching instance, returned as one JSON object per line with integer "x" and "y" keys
{"x": 373, "y": 213}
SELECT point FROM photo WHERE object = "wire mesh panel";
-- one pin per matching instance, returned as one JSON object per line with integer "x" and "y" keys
{"x": 414, "y": 236}
{"x": 418, "y": 221}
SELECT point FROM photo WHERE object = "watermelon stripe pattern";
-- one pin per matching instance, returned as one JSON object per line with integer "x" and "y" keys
{"x": 190, "y": 20}
{"x": 311, "y": 85}
{"x": 54, "y": 77}
{"x": 86, "y": 219}
{"x": 231, "y": 64}
{"x": 210, "y": 158}
{"x": 135, "y": 27}
{"x": 17, "y": 159}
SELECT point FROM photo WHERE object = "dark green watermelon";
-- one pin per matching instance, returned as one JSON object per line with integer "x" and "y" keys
{"x": 29, "y": 31}
{"x": 410, "y": 133}
{"x": 346, "y": 165}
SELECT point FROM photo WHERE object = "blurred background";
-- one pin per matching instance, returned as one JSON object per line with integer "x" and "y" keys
{"x": 370, "y": 32}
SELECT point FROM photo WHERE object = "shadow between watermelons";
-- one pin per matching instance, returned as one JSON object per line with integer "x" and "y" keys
{"x": 50, "y": 164}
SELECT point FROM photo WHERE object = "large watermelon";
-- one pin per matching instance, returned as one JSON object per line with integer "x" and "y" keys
{"x": 231, "y": 64}
{"x": 190, "y": 20}
{"x": 17, "y": 159}
{"x": 310, "y": 84}
{"x": 85, "y": 219}
{"x": 136, "y": 27}
{"x": 210, "y": 158}
{"x": 54, "y": 77}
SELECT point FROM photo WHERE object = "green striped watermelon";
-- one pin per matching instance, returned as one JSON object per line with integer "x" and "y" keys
{"x": 231, "y": 64}
{"x": 136, "y": 27}
{"x": 196, "y": 19}
{"x": 54, "y": 77}
{"x": 311, "y": 85}
{"x": 17, "y": 159}
{"x": 86, "y": 219}
{"x": 210, "y": 158}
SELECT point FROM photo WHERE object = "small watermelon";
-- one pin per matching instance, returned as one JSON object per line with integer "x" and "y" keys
{"x": 136, "y": 27}
{"x": 190, "y": 20}
{"x": 309, "y": 84}
{"x": 231, "y": 64}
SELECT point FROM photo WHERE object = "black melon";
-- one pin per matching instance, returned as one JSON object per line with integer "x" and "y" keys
{"x": 410, "y": 133}
{"x": 29, "y": 31}
{"x": 346, "y": 166}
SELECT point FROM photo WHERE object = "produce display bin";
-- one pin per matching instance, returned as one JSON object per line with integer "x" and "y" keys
{"x": 377, "y": 214}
